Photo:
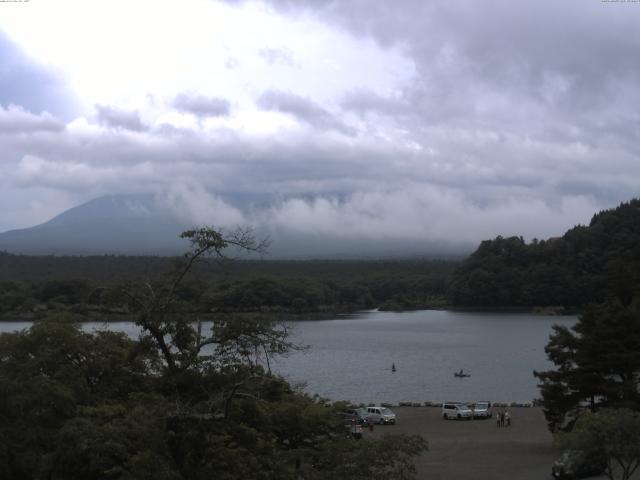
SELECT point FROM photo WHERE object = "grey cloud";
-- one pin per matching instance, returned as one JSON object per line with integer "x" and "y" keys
{"x": 26, "y": 83}
{"x": 304, "y": 109}
{"x": 509, "y": 65}
{"x": 364, "y": 101}
{"x": 117, "y": 118}
{"x": 202, "y": 106}
{"x": 522, "y": 119}
{"x": 15, "y": 119}
{"x": 333, "y": 190}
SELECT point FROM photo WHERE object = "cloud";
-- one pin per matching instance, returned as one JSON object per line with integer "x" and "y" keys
{"x": 424, "y": 213}
{"x": 30, "y": 85}
{"x": 15, "y": 119}
{"x": 363, "y": 101}
{"x": 194, "y": 205}
{"x": 39, "y": 172}
{"x": 366, "y": 120}
{"x": 276, "y": 56}
{"x": 302, "y": 109}
{"x": 117, "y": 118}
{"x": 202, "y": 106}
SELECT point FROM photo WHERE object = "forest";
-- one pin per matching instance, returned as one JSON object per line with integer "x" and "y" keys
{"x": 30, "y": 287}
{"x": 588, "y": 264}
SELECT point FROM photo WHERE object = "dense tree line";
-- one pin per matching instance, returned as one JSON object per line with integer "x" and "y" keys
{"x": 587, "y": 264}
{"x": 176, "y": 403}
{"x": 90, "y": 285}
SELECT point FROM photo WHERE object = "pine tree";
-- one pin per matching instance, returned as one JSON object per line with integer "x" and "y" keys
{"x": 597, "y": 364}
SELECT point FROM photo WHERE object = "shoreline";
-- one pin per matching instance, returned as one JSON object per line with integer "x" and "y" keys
{"x": 293, "y": 317}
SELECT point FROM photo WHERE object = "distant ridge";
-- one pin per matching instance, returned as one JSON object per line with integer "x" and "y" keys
{"x": 114, "y": 224}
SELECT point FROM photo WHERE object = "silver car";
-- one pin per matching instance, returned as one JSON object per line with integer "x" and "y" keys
{"x": 381, "y": 415}
{"x": 482, "y": 409}
{"x": 456, "y": 410}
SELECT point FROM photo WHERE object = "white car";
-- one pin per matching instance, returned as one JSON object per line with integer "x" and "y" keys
{"x": 380, "y": 415}
{"x": 482, "y": 409}
{"x": 456, "y": 410}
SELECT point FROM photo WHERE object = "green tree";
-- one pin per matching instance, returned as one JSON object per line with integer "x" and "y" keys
{"x": 615, "y": 432}
{"x": 597, "y": 364}
{"x": 49, "y": 375}
{"x": 177, "y": 403}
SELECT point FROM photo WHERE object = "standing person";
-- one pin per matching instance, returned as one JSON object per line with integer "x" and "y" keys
{"x": 502, "y": 418}
{"x": 498, "y": 419}
{"x": 507, "y": 418}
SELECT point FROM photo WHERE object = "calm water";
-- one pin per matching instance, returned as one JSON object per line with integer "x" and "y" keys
{"x": 350, "y": 357}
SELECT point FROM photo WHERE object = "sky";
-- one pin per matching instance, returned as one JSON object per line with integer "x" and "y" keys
{"x": 413, "y": 119}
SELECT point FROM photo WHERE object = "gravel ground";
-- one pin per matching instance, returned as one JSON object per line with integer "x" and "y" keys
{"x": 477, "y": 449}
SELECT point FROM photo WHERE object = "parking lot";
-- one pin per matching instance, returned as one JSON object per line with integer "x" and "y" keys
{"x": 477, "y": 449}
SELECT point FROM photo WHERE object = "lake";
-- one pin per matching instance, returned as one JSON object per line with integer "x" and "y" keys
{"x": 350, "y": 357}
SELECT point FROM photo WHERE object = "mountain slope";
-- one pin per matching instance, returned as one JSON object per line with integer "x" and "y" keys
{"x": 107, "y": 225}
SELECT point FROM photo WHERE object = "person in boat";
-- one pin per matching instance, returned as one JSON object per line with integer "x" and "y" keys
{"x": 393, "y": 367}
{"x": 460, "y": 373}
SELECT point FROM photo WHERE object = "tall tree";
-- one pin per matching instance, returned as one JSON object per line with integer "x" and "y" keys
{"x": 597, "y": 364}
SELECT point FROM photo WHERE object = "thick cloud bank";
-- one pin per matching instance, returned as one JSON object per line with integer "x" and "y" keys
{"x": 349, "y": 121}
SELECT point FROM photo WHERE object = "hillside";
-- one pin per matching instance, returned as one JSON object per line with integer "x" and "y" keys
{"x": 587, "y": 264}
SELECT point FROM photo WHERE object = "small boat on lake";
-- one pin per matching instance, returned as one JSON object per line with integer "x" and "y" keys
{"x": 461, "y": 374}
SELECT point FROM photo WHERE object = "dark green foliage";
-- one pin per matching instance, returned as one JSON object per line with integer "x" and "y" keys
{"x": 178, "y": 403}
{"x": 79, "y": 406}
{"x": 123, "y": 440}
{"x": 586, "y": 265}
{"x": 614, "y": 434}
{"x": 49, "y": 375}
{"x": 35, "y": 286}
{"x": 597, "y": 364}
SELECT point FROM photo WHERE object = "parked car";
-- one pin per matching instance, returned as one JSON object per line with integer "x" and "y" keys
{"x": 357, "y": 414}
{"x": 354, "y": 429}
{"x": 579, "y": 464}
{"x": 381, "y": 415}
{"x": 482, "y": 409}
{"x": 456, "y": 410}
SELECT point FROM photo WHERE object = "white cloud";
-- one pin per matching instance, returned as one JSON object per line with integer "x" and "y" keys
{"x": 430, "y": 214}
{"x": 193, "y": 204}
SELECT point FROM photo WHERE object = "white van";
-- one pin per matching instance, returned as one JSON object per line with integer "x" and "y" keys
{"x": 456, "y": 410}
{"x": 380, "y": 415}
{"x": 482, "y": 409}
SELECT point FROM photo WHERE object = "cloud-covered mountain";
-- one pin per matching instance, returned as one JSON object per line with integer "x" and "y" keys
{"x": 107, "y": 225}
{"x": 151, "y": 224}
